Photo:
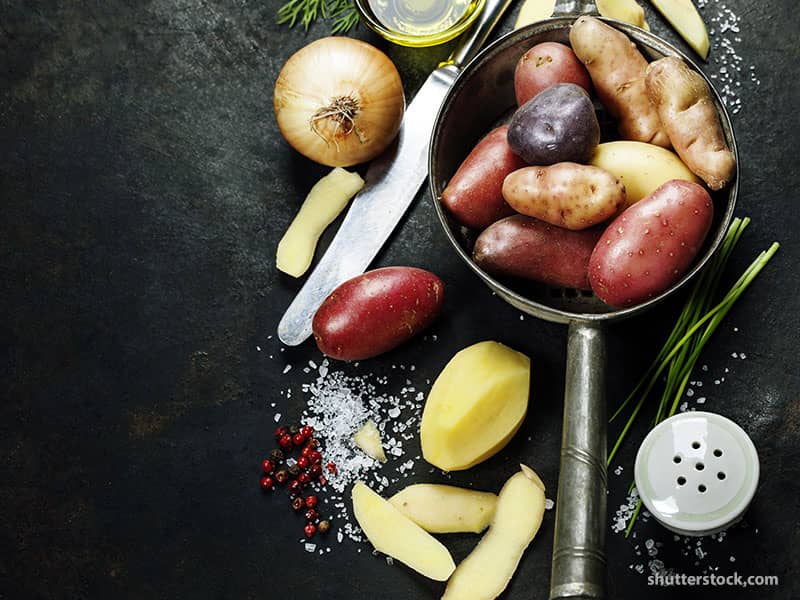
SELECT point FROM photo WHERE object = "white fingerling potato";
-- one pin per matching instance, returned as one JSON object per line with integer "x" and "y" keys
{"x": 440, "y": 508}
{"x": 623, "y": 10}
{"x": 368, "y": 438}
{"x": 394, "y": 534}
{"x": 683, "y": 16}
{"x": 486, "y": 571}
{"x": 534, "y": 10}
{"x": 641, "y": 167}
{"x": 326, "y": 200}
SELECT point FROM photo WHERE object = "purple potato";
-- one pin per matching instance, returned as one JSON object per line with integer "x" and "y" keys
{"x": 559, "y": 124}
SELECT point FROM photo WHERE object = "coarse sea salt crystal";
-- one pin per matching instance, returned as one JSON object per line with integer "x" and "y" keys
{"x": 277, "y": 417}
{"x": 287, "y": 368}
{"x": 310, "y": 547}
{"x": 548, "y": 504}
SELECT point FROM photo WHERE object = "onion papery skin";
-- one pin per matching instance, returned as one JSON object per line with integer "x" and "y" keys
{"x": 343, "y": 72}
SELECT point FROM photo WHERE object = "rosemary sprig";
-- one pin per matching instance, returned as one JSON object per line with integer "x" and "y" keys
{"x": 342, "y": 13}
{"x": 696, "y": 323}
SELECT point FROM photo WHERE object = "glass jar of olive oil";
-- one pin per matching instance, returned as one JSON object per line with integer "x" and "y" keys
{"x": 419, "y": 22}
{"x": 420, "y": 17}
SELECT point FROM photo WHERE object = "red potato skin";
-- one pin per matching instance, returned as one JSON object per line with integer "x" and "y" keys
{"x": 650, "y": 245}
{"x": 544, "y": 65}
{"x": 474, "y": 195}
{"x": 376, "y": 312}
{"x": 525, "y": 247}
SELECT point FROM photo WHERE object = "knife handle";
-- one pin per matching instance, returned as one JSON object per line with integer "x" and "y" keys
{"x": 473, "y": 40}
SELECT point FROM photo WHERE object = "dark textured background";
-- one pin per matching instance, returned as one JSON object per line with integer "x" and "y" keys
{"x": 144, "y": 188}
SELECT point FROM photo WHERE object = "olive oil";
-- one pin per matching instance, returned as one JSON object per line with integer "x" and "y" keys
{"x": 421, "y": 17}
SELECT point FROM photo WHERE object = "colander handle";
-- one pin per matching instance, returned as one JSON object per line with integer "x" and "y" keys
{"x": 579, "y": 561}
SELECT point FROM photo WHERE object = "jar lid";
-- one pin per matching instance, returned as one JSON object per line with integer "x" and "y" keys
{"x": 697, "y": 472}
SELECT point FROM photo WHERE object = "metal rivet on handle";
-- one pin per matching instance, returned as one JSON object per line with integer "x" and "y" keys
{"x": 697, "y": 472}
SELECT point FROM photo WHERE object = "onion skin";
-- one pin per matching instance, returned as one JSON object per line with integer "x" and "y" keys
{"x": 324, "y": 80}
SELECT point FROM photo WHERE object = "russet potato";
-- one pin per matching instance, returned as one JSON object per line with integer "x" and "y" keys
{"x": 475, "y": 406}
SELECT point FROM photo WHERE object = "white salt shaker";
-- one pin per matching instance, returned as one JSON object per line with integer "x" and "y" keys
{"x": 697, "y": 472}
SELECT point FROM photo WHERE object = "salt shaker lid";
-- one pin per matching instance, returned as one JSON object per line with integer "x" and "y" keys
{"x": 697, "y": 472}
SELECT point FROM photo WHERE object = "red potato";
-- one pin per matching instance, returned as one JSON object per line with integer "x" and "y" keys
{"x": 525, "y": 247}
{"x": 544, "y": 65}
{"x": 651, "y": 244}
{"x": 474, "y": 195}
{"x": 565, "y": 194}
{"x": 377, "y": 311}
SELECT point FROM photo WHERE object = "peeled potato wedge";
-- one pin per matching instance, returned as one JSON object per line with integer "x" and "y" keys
{"x": 486, "y": 571}
{"x": 326, "y": 200}
{"x": 623, "y": 10}
{"x": 396, "y": 535}
{"x": 683, "y": 16}
{"x": 475, "y": 406}
{"x": 439, "y": 508}
{"x": 368, "y": 438}
{"x": 534, "y": 10}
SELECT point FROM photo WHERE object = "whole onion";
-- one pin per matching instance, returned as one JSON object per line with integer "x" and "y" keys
{"x": 339, "y": 101}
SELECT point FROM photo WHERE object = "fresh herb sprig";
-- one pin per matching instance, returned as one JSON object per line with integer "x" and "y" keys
{"x": 342, "y": 13}
{"x": 696, "y": 323}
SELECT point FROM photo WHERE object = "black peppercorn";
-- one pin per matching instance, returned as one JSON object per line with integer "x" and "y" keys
{"x": 323, "y": 526}
{"x": 298, "y": 503}
{"x": 293, "y": 429}
{"x": 276, "y": 456}
{"x": 281, "y": 476}
{"x": 294, "y": 470}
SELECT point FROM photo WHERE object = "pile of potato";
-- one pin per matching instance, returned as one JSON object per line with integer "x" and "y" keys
{"x": 556, "y": 204}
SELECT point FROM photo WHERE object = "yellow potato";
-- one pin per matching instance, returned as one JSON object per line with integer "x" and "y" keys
{"x": 396, "y": 535}
{"x": 439, "y": 508}
{"x": 566, "y": 194}
{"x": 486, "y": 571}
{"x": 323, "y": 204}
{"x": 640, "y": 166}
{"x": 475, "y": 406}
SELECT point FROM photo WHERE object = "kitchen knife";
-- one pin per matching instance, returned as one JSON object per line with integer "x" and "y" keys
{"x": 391, "y": 184}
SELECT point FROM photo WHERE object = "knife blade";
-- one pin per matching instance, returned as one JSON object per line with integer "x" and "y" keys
{"x": 391, "y": 184}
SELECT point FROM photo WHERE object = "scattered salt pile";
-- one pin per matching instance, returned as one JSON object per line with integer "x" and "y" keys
{"x": 337, "y": 404}
{"x": 726, "y": 66}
